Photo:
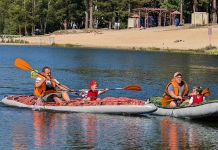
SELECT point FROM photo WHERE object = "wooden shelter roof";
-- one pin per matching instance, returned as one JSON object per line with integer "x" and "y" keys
{"x": 160, "y": 10}
{"x": 176, "y": 13}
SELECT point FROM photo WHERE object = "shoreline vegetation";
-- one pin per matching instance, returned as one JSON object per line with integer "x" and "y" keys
{"x": 183, "y": 39}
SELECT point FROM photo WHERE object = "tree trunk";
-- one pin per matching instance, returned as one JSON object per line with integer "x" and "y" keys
{"x": 25, "y": 23}
{"x": 214, "y": 12}
{"x": 19, "y": 29}
{"x": 87, "y": 14}
{"x": 109, "y": 25}
{"x": 45, "y": 23}
{"x": 96, "y": 18}
{"x": 87, "y": 20}
{"x": 25, "y": 28}
{"x": 195, "y": 5}
{"x": 90, "y": 14}
{"x": 181, "y": 11}
{"x": 45, "y": 26}
{"x": 33, "y": 13}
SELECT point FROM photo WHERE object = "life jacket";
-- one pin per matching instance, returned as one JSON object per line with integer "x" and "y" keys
{"x": 198, "y": 100}
{"x": 92, "y": 94}
{"x": 166, "y": 96}
{"x": 41, "y": 91}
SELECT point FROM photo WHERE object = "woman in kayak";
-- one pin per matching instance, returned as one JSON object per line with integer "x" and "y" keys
{"x": 45, "y": 87}
{"x": 93, "y": 92}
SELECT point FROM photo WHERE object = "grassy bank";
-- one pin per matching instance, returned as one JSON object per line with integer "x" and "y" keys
{"x": 208, "y": 50}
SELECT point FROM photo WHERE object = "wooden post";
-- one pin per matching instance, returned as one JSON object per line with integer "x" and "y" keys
{"x": 165, "y": 15}
{"x": 159, "y": 19}
{"x": 139, "y": 24}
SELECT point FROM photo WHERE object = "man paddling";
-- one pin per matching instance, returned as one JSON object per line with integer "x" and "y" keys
{"x": 45, "y": 86}
{"x": 175, "y": 91}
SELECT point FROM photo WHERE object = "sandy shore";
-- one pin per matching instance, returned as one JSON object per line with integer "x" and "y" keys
{"x": 162, "y": 38}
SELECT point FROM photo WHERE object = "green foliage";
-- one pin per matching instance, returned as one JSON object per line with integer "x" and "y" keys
{"x": 24, "y": 16}
{"x": 170, "y": 4}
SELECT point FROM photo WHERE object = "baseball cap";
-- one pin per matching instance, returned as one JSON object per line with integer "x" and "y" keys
{"x": 177, "y": 74}
{"x": 92, "y": 82}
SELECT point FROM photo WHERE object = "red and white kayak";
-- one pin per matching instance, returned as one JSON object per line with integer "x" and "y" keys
{"x": 108, "y": 105}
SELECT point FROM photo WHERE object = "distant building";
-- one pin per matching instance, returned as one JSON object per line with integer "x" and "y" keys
{"x": 150, "y": 17}
{"x": 200, "y": 18}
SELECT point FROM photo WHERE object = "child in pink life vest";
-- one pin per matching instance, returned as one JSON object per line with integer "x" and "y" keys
{"x": 196, "y": 96}
{"x": 92, "y": 93}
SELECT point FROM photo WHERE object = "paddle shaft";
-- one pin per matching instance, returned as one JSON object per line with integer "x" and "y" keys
{"x": 104, "y": 89}
{"x": 23, "y": 65}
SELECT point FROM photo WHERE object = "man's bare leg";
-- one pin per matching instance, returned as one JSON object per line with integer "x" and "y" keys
{"x": 58, "y": 100}
{"x": 172, "y": 104}
{"x": 65, "y": 96}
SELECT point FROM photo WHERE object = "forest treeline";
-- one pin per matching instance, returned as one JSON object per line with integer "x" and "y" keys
{"x": 27, "y": 16}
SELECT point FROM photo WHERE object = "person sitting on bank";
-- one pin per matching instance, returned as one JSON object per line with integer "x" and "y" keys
{"x": 45, "y": 87}
{"x": 92, "y": 93}
{"x": 175, "y": 91}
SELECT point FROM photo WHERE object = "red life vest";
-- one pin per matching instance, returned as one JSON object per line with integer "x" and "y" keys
{"x": 92, "y": 94}
{"x": 197, "y": 100}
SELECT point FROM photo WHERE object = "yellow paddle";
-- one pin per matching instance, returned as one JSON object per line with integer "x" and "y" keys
{"x": 23, "y": 65}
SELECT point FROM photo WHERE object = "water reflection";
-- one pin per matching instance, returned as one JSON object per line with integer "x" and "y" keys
{"x": 88, "y": 131}
{"x": 40, "y": 127}
{"x": 151, "y": 70}
{"x": 19, "y": 140}
{"x": 90, "y": 128}
{"x": 178, "y": 134}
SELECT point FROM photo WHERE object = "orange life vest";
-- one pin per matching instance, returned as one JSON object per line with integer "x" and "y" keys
{"x": 41, "y": 91}
{"x": 166, "y": 96}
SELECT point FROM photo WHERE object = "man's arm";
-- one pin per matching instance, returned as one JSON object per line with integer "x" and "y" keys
{"x": 103, "y": 91}
{"x": 171, "y": 92}
{"x": 174, "y": 96}
{"x": 39, "y": 82}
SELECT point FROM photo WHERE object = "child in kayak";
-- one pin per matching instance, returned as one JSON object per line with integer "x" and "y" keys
{"x": 196, "y": 97}
{"x": 92, "y": 93}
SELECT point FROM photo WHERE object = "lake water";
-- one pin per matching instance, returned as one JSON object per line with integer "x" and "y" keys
{"x": 75, "y": 67}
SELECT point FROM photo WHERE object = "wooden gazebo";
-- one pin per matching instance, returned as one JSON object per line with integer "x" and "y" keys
{"x": 162, "y": 13}
{"x": 174, "y": 14}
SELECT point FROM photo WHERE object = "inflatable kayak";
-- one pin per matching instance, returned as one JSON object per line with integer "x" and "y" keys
{"x": 203, "y": 110}
{"x": 109, "y": 105}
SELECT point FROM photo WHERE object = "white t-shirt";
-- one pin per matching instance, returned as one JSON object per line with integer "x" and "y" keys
{"x": 48, "y": 82}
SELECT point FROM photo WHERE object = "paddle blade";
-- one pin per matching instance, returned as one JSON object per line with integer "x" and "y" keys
{"x": 22, "y": 64}
{"x": 133, "y": 88}
{"x": 206, "y": 92}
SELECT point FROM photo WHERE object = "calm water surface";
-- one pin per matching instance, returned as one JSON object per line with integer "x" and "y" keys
{"x": 26, "y": 129}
